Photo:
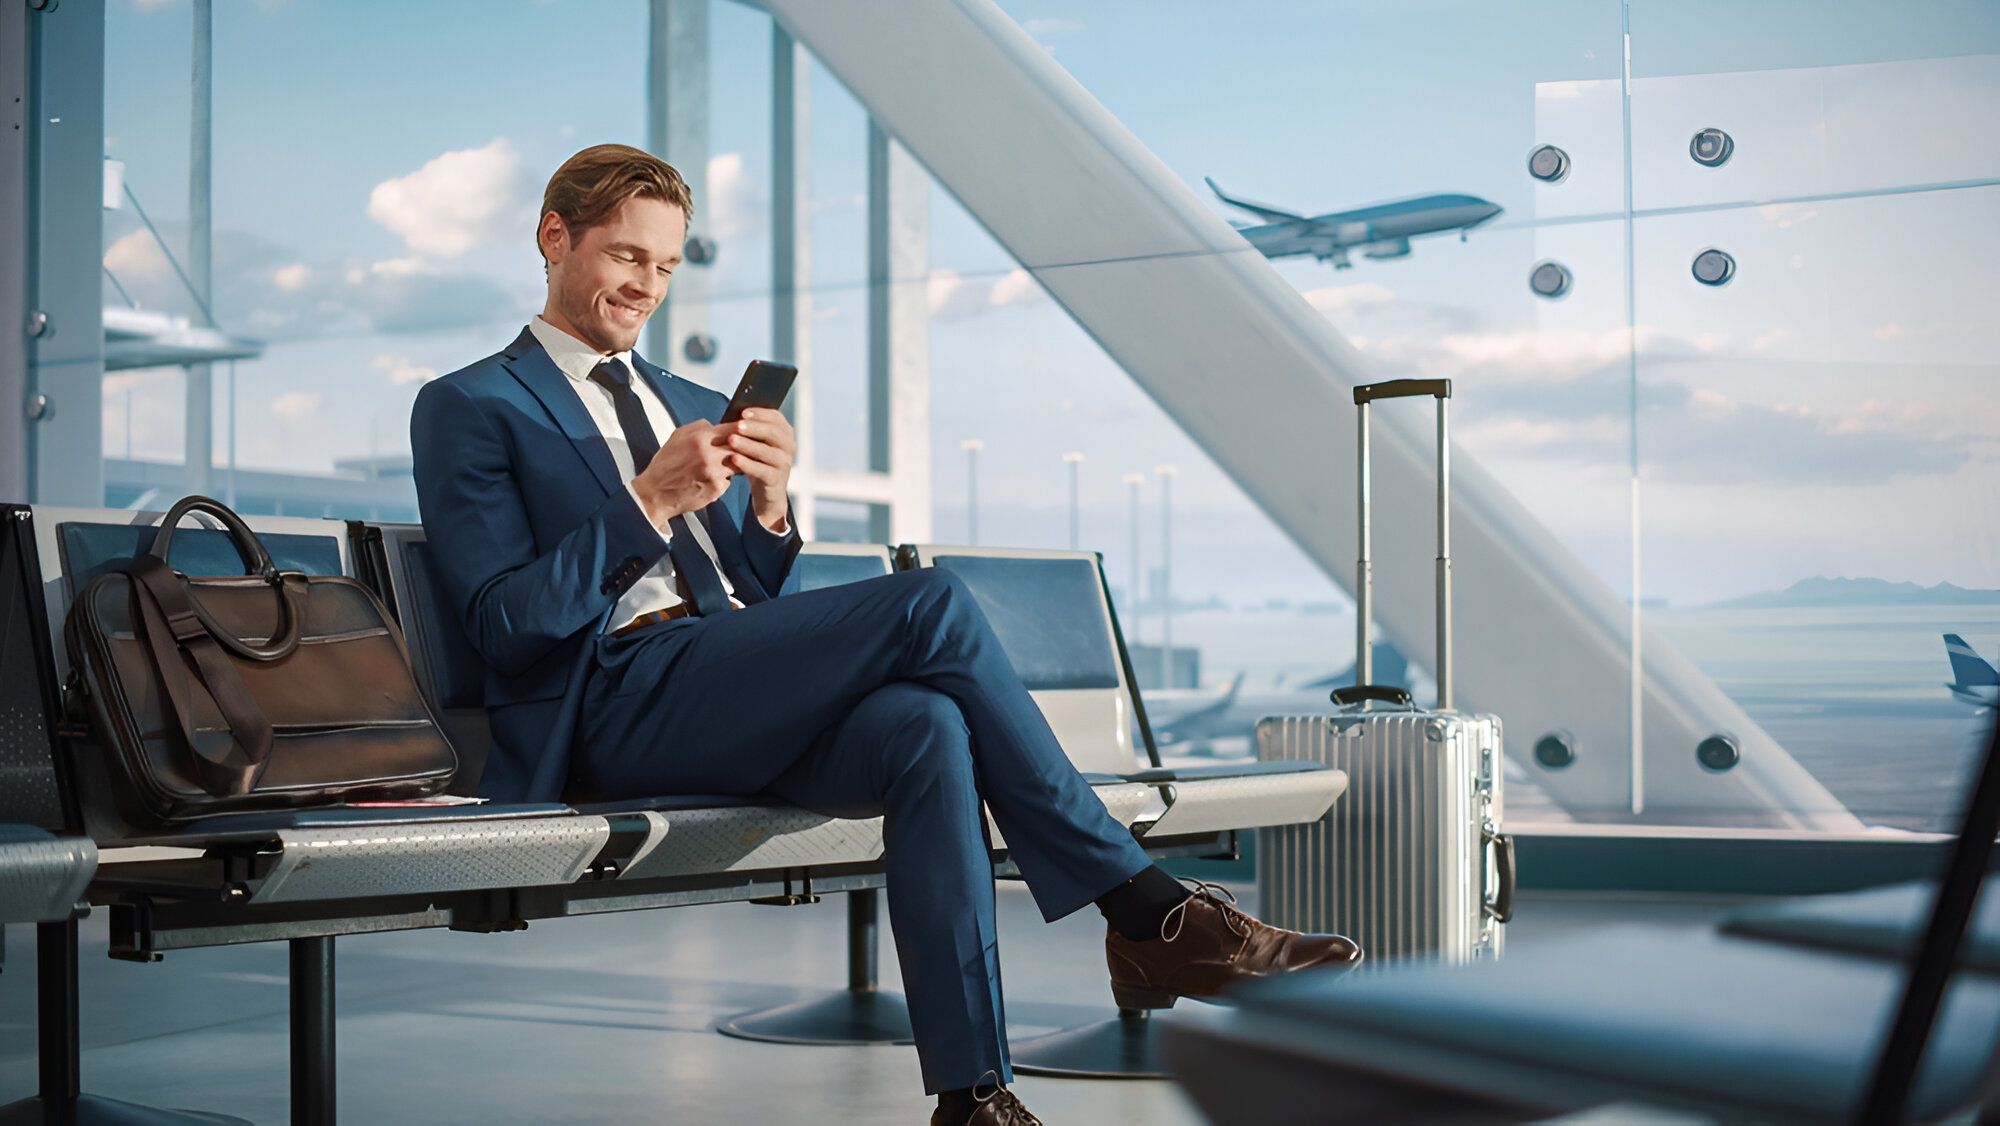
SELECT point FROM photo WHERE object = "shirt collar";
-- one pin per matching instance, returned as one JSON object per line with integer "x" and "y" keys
{"x": 573, "y": 357}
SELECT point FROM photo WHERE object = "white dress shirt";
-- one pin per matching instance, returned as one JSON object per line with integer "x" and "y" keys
{"x": 655, "y": 590}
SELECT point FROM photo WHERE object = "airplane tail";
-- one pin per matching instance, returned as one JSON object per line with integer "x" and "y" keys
{"x": 1968, "y": 668}
{"x": 1269, "y": 213}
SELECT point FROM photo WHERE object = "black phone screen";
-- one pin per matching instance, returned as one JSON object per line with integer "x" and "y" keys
{"x": 765, "y": 384}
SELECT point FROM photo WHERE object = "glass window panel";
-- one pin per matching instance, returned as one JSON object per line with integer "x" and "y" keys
{"x": 1818, "y": 466}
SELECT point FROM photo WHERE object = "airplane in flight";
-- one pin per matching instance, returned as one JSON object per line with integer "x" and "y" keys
{"x": 1383, "y": 230}
{"x": 1974, "y": 680}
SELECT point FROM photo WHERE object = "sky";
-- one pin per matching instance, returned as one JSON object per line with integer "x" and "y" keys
{"x": 1831, "y": 411}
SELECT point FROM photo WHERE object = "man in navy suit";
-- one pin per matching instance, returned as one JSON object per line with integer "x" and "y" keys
{"x": 614, "y": 552}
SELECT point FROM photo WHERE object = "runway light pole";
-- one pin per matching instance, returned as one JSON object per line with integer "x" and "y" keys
{"x": 1166, "y": 473}
{"x": 1075, "y": 461}
{"x": 972, "y": 446}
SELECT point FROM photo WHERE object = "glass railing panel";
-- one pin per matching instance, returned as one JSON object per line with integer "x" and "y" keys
{"x": 1820, "y": 483}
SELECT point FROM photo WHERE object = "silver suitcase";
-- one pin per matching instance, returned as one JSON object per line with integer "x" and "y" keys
{"x": 1410, "y": 862}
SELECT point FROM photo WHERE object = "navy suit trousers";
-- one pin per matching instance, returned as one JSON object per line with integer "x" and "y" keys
{"x": 887, "y": 697}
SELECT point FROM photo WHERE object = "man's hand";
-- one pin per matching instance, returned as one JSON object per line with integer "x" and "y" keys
{"x": 688, "y": 473}
{"x": 761, "y": 446}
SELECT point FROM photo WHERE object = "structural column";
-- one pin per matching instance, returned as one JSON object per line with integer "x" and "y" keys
{"x": 677, "y": 86}
{"x": 791, "y": 253}
{"x": 14, "y": 128}
{"x": 899, "y": 400}
{"x": 200, "y": 409}
{"x": 65, "y": 253}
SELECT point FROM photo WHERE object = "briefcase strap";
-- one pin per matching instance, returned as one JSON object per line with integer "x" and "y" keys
{"x": 227, "y": 763}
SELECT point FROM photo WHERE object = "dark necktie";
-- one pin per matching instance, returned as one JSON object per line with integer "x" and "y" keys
{"x": 696, "y": 570}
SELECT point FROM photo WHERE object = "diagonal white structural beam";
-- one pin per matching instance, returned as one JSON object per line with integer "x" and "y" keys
{"x": 1261, "y": 381}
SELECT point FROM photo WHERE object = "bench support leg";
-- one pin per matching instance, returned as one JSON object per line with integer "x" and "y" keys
{"x": 1125, "y": 1047}
{"x": 59, "y": 1044}
{"x": 312, "y": 1032}
{"x": 859, "y": 1014}
{"x": 58, "y": 1031}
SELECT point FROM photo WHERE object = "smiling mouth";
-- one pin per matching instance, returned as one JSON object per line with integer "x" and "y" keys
{"x": 626, "y": 312}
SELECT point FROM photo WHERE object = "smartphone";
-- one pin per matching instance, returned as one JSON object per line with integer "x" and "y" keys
{"x": 765, "y": 384}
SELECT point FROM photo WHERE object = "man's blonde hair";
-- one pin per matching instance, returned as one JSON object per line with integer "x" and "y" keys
{"x": 592, "y": 184}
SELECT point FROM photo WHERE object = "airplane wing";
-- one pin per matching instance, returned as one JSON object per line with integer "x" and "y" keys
{"x": 1270, "y": 213}
{"x": 1196, "y": 722}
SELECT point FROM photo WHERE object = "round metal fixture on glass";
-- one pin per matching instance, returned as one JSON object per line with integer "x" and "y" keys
{"x": 37, "y": 324}
{"x": 700, "y": 250}
{"x": 1718, "y": 753}
{"x": 700, "y": 348}
{"x": 1556, "y": 750}
{"x": 40, "y": 408}
{"x": 1712, "y": 148}
{"x": 1549, "y": 279}
{"x": 1548, "y": 164}
{"x": 1714, "y": 267}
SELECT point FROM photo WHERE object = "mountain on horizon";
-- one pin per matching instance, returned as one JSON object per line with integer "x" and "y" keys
{"x": 1823, "y": 591}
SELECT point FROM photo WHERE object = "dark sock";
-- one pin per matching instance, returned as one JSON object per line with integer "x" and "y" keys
{"x": 959, "y": 1105}
{"x": 1137, "y": 907}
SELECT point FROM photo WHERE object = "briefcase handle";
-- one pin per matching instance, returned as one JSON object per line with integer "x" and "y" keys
{"x": 290, "y": 587}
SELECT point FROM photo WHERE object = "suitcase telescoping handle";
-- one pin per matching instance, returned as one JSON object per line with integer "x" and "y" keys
{"x": 1364, "y": 579}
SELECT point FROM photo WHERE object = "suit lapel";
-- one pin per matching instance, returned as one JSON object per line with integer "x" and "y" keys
{"x": 528, "y": 362}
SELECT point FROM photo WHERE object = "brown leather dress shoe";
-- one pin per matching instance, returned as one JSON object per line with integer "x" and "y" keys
{"x": 1000, "y": 1108}
{"x": 1206, "y": 946}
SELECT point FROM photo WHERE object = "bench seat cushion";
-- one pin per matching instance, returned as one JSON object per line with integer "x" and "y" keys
{"x": 719, "y": 834}
{"x": 1687, "y": 1019}
{"x": 250, "y": 828}
{"x": 1248, "y": 795}
{"x": 1881, "y": 922}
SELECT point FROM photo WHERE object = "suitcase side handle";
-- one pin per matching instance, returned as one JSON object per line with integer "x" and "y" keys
{"x": 1358, "y": 695}
{"x": 1501, "y": 906}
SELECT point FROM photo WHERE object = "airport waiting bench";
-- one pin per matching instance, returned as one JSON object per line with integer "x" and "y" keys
{"x": 311, "y": 875}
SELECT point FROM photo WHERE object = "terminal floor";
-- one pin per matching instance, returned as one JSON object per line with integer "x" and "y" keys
{"x": 598, "y": 1020}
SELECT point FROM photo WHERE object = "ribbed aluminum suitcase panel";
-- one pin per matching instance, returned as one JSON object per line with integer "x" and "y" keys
{"x": 1402, "y": 864}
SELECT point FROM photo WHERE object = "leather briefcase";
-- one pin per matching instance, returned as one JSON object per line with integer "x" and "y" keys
{"x": 232, "y": 694}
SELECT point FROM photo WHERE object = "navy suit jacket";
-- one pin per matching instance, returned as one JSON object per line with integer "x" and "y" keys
{"x": 536, "y": 537}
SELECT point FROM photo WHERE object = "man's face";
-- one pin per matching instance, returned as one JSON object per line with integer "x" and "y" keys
{"x": 605, "y": 283}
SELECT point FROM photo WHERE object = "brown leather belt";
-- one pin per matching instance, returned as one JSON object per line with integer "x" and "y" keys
{"x": 653, "y": 618}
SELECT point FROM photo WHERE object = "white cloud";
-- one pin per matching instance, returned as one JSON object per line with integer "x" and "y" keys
{"x": 292, "y": 278}
{"x": 942, "y": 289}
{"x": 1890, "y": 331}
{"x": 1519, "y": 354}
{"x": 402, "y": 370}
{"x": 398, "y": 268}
{"x": 1769, "y": 339}
{"x": 296, "y": 406}
{"x": 454, "y": 202}
{"x": 1043, "y": 29}
{"x": 136, "y": 257}
{"x": 1334, "y": 299}
{"x": 1017, "y": 288}
{"x": 734, "y": 207}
